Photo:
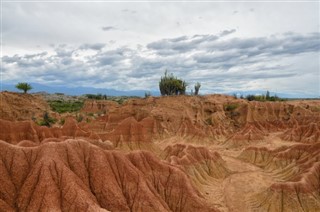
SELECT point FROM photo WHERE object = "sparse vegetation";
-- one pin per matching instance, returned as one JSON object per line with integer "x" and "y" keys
{"x": 171, "y": 85}
{"x": 60, "y": 106}
{"x": 263, "y": 97}
{"x": 46, "y": 120}
{"x": 209, "y": 121}
{"x": 230, "y": 107}
{"x": 147, "y": 94}
{"x": 98, "y": 96}
{"x": 62, "y": 121}
{"x": 90, "y": 114}
{"x": 79, "y": 117}
{"x": 197, "y": 88}
{"x": 25, "y": 87}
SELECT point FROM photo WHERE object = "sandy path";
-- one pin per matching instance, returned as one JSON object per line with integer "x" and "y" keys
{"x": 233, "y": 192}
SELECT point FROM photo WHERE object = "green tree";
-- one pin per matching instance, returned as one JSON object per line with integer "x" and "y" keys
{"x": 171, "y": 85}
{"x": 24, "y": 86}
{"x": 196, "y": 88}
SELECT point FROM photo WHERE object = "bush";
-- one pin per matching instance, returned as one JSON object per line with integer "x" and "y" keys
{"x": 98, "y": 96}
{"x": 65, "y": 106}
{"x": 79, "y": 117}
{"x": 230, "y": 107}
{"x": 147, "y": 94}
{"x": 47, "y": 120}
{"x": 24, "y": 86}
{"x": 170, "y": 85}
{"x": 62, "y": 121}
{"x": 262, "y": 98}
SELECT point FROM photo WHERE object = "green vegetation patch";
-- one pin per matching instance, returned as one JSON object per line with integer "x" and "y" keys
{"x": 60, "y": 106}
{"x": 46, "y": 120}
{"x": 230, "y": 107}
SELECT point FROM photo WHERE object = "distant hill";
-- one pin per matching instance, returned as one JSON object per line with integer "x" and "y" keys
{"x": 76, "y": 91}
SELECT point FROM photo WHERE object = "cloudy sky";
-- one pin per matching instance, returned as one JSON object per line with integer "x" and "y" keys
{"x": 226, "y": 46}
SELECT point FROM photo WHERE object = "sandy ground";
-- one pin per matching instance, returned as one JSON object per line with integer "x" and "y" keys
{"x": 246, "y": 179}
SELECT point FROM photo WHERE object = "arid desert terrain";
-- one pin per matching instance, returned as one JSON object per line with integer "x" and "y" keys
{"x": 174, "y": 153}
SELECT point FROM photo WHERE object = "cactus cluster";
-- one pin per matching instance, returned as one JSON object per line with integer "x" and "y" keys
{"x": 171, "y": 85}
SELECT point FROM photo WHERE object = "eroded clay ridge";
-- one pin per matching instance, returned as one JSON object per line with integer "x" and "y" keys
{"x": 76, "y": 175}
{"x": 161, "y": 154}
{"x": 233, "y": 121}
{"x": 297, "y": 172}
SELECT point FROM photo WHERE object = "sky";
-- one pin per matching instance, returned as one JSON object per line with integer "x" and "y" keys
{"x": 226, "y": 46}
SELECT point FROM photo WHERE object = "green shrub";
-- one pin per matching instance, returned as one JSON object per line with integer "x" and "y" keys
{"x": 65, "y": 106}
{"x": 263, "y": 98}
{"x": 170, "y": 85}
{"x": 147, "y": 94}
{"x": 98, "y": 96}
{"x": 230, "y": 107}
{"x": 62, "y": 121}
{"x": 47, "y": 120}
{"x": 79, "y": 117}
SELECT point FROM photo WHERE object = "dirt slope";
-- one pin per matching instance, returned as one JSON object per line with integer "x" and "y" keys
{"x": 19, "y": 106}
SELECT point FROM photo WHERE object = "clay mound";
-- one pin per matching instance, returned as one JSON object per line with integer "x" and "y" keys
{"x": 173, "y": 186}
{"x": 75, "y": 175}
{"x": 198, "y": 162}
{"x": 101, "y": 106}
{"x": 16, "y": 131}
{"x": 18, "y": 106}
{"x": 129, "y": 135}
{"x": 250, "y": 133}
{"x": 309, "y": 133}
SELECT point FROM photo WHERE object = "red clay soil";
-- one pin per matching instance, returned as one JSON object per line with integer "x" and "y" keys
{"x": 19, "y": 106}
{"x": 179, "y": 153}
{"x": 75, "y": 175}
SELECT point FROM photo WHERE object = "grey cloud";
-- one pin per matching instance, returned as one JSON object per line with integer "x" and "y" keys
{"x": 95, "y": 46}
{"x": 227, "y": 32}
{"x": 36, "y": 55}
{"x": 205, "y": 58}
{"x": 184, "y": 43}
{"x": 64, "y": 51}
{"x": 108, "y": 28}
{"x": 13, "y": 59}
{"x": 275, "y": 45}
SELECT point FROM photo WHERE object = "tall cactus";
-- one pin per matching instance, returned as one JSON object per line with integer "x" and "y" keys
{"x": 171, "y": 85}
{"x": 196, "y": 88}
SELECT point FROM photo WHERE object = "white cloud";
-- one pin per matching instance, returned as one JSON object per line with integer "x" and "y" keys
{"x": 129, "y": 45}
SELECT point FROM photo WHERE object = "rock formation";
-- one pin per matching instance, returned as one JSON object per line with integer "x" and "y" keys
{"x": 181, "y": 153}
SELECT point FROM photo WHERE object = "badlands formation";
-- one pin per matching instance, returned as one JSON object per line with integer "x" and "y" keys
{"x": 181, "y": 153}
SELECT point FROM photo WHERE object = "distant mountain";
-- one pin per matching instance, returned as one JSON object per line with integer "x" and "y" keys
{"x": 76, "y": 91}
